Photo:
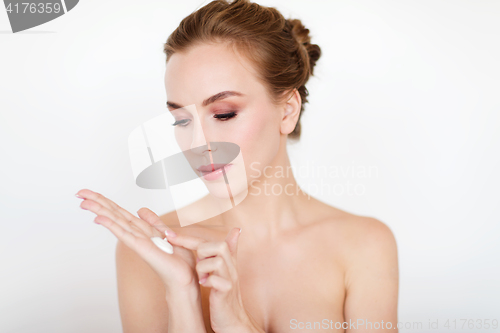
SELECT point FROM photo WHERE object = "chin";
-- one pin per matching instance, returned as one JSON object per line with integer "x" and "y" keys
{"x": 236, "y": 187}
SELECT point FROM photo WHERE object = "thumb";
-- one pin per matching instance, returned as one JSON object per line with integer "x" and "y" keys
{"x": 232, "y": 240}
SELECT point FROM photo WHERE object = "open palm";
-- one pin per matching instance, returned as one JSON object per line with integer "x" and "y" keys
{"x": 176, "y": 270}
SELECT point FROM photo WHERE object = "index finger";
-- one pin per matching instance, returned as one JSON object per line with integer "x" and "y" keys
{"x": 113, "y": 208}
{"x": 104, "y": 201}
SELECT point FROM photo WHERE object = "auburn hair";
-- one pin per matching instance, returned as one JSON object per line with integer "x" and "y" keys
{"x": 280, "y": 49}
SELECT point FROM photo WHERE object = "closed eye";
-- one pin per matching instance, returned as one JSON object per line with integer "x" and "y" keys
{"x": 225, "y": 116}
{"x": 182, "y": 122}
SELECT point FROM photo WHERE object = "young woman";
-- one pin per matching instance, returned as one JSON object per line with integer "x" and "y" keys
{"x": 275, "y": 262}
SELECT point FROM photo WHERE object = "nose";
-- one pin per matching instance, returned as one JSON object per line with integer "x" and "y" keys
{"x": 199, "y": 144}
{"x": 198, "y": 138}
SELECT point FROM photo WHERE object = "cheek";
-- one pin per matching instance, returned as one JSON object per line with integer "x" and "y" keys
{"x": 258, "y": 137}
{"x": 183, "y": 136}
{"x": 181, "y": 139}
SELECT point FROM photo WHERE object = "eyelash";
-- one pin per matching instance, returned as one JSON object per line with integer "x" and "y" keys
{"x": 221, "y": 116}
{"x": 180, "y": 122}
{"x": 225, "y": 116}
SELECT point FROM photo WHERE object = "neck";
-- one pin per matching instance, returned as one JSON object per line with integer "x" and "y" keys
{"x": 272, "y": 203}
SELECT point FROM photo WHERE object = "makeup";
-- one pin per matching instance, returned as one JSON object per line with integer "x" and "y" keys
{"x": 225, "y": 116}
{"x": 213, "y": 171}
{"x": 163, "y": 244}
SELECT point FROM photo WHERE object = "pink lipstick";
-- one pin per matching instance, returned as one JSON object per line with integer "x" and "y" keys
{"x": 213, "y": 171}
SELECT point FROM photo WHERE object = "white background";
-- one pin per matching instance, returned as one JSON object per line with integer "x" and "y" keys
{"x": 409, "y": 87}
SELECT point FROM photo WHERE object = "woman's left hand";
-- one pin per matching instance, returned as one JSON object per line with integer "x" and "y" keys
{"x": 216, "y": 268}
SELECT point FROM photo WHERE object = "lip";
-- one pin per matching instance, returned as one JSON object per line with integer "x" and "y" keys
{"x": 213, "y": 171}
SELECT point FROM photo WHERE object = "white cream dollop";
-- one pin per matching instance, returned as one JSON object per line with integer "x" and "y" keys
{"x": 163, "y": 244}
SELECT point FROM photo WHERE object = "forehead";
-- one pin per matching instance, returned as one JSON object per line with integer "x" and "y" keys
{"x": 206, "y": 69}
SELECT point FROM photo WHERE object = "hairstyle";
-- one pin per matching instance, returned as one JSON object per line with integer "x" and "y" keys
{"x": 279, "y": 48}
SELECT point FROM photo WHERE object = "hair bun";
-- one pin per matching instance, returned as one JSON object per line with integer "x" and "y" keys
{"x": 301, "y": 34}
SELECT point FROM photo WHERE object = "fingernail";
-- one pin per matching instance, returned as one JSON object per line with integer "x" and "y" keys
{"x": 96, "y": 221}
{"x": 240, "y": 230}
{"x": 76, "y": 195}
{"x": 170, "y": 233}
{"x": 203, "y": 280}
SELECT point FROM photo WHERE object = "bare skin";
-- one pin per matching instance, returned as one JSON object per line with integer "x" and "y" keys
{"x": 322, "y": 266}
{"x": 298, "y": 260}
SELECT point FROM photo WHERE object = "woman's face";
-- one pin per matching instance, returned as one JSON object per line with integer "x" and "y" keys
{"x": 245, "y": 116}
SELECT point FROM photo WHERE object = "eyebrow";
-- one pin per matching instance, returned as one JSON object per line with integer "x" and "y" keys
{"x": 211, "y": 99}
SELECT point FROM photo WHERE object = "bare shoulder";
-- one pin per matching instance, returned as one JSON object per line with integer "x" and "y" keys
{"x": 368, "y": 233}
{"x": 356, "y": 238}
{"x": 356, "y": 229}
{"x": 369, "y": 252}
{"x": 367, "y": 249}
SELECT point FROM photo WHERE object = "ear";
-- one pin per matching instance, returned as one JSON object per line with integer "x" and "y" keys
{"x": 291, "y": 112}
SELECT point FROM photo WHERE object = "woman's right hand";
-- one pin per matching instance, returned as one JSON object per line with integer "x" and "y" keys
{"x": 177, "y": 270}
